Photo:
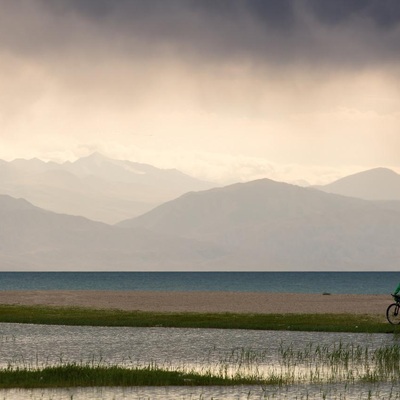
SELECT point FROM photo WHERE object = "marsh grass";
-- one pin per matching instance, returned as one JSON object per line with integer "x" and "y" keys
{"x": 338, "y": 362}
{"x": 76, "y": 375}
{"x": 290, "y": 322}
{"x": 352, "y": 364}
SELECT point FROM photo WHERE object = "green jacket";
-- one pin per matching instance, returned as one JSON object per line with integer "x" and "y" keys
{"x": 397, "y": 289}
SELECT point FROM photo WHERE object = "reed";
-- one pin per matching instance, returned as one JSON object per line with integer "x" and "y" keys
{"x": 313, "y": 364}
{"x": 353, "y": 364}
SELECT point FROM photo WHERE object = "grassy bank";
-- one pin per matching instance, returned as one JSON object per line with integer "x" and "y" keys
{"x": 74, "y": 375}
{"x": 292, "y": 322}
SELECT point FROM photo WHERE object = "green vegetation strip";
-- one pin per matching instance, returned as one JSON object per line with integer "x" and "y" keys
{"x": 287, "y": 322}
{"x": 73, "y": 375}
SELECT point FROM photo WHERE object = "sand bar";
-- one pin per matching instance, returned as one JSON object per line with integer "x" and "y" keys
{"x": 236, "y": 302}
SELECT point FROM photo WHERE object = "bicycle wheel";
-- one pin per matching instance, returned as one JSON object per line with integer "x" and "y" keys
{"x": 393, "y": 314}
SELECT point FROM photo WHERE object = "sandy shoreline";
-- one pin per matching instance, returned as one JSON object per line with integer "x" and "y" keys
{"x": 258, "y": 303}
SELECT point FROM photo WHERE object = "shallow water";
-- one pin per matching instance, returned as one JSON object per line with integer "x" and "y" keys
{"x": 44, "y": 345}
{"x": 298, "y": 392}
{"x": 141, "y": 393}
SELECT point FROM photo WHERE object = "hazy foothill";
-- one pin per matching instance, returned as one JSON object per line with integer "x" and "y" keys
{"x": 95, "y": 186}
{"x": 350, "y": 224}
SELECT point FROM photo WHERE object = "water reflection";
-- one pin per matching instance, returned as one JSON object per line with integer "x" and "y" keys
{"x": 142, "y": 393}
{"x": 44, "y": 345}
{"x": 24, "y": 344}
{"x": 298, "y": 392}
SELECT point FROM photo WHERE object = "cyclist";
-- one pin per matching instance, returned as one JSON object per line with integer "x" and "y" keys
{"x": 397, "y": 290}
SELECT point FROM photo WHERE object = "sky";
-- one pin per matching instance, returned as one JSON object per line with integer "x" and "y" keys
{"x": 224, "y": 90}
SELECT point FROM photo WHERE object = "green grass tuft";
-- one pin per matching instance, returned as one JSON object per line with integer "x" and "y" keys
{"x": 74, "y": 375}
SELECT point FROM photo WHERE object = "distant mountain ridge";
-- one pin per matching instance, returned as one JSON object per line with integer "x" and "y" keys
{"x": 276, "y": 226}
{"x": 8, "y": 203}
{"x": 259, "y": 225}
{"x": 96, "y": 187}
{"x": 375, "y": 184}
{"x": 35, "y": 239}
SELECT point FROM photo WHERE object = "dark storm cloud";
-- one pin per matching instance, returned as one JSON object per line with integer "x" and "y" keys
{"x": 384, "y": 13}
{"x": 345, "y": 32}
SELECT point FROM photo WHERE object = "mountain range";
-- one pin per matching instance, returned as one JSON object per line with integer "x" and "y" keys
{"x": 34, "y": 239}
{"x": 272, "y": 225}
{"x": 380, "y": 184}
{"x": 95, "y": 187}
{"x": 258, "y": 225}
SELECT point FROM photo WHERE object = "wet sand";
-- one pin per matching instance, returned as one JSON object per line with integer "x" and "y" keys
{"x": 215, "y": 302}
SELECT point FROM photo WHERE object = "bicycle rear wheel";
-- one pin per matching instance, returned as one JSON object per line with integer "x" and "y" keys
{"x": 393, "y": 314}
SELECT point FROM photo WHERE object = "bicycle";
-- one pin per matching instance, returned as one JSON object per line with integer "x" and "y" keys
{"x": 393, "y": 311}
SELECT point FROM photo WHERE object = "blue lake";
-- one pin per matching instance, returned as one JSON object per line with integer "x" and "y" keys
{"x": 281, "y": 282}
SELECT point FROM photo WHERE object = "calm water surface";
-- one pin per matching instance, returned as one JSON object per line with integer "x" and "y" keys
{"x": 281, "y": 282}
{"x": 31, "y": 345}
{"x": 296, "y": 392}
{"x": 43, "y": 345}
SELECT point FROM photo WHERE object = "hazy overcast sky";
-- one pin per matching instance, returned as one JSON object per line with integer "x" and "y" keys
{"x": 222, "y": 89}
